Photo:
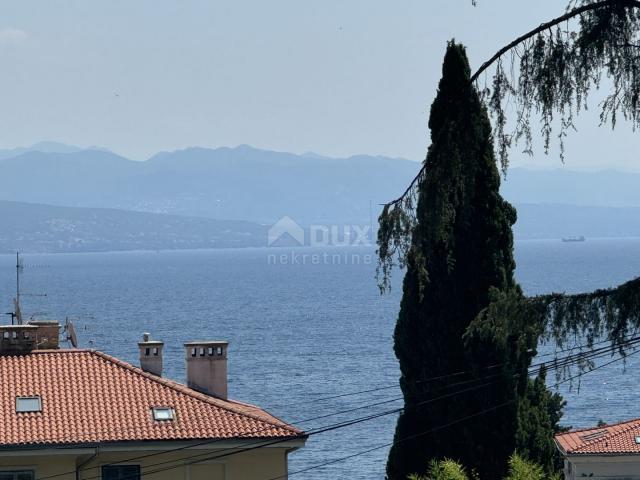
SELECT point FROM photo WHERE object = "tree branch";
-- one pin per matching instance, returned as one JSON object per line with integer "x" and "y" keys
{"x": 550, "y": 24}
{"x": 521, "y": 39}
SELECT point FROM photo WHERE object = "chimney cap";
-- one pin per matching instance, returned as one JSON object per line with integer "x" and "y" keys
{"x": 206, "y": 343}
{"x": 151, "y": 342}
{"x": 19, "y": 327}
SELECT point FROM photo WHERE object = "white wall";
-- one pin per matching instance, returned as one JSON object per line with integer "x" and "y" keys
{"x": 606, "y": 467}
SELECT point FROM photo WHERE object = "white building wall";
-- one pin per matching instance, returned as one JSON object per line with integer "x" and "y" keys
{"x": 606, "y": 467}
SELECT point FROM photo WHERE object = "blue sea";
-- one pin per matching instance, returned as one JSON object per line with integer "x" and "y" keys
{"x": 300, "y": 328}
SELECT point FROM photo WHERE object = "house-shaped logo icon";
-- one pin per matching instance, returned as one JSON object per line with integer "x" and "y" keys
{"x": 285, "y": 231}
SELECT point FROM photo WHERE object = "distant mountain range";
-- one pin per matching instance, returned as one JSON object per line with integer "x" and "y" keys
{"x": 199, "y": 197}
{"x": 44, "y": 147}
{"x": 240, "y": 183}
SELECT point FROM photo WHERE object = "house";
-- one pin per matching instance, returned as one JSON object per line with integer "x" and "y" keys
{"x": 606, "y": 452}
{"x": 73, "y": 414}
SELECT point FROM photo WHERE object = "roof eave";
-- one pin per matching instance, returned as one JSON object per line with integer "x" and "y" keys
{"x": 196, "y": 443}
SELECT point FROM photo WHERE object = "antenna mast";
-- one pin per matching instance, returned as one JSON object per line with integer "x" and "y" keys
{"x": 18, "y": 313}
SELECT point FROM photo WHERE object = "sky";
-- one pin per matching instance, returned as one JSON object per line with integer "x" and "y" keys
{"x": 335, "y": 77}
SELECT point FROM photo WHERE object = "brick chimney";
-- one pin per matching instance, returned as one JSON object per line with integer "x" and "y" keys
{"x": 207, "y": 367}
{"x": 151, "y": 355}
{"x": 35, "y": 335}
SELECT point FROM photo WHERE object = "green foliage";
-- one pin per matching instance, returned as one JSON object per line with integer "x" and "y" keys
{"x": 551, "y": 71}
{"x": 459, "y": 304}
{"x": 443, "y": 470}
{"x": 546, "y": 74}
{"x": 521, "y": 469}
{"x": 608, "y": 313}
{"x": 506, "y": 333}
{"x": 539, "y": 415}
{"x": 452, "y": 232}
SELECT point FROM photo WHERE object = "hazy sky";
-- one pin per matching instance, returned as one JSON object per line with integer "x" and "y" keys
{"x": 337, "y": 77}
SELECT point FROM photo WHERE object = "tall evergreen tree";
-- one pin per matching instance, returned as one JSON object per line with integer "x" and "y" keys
{"x": 460, "y": 255}
{"x": 553, "y": 69}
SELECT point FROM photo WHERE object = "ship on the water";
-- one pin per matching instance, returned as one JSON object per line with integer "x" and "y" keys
{"x": 574, "y": 239}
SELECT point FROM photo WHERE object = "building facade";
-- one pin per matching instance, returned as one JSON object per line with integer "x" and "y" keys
{"x": 72, "y": 414}
{"x": 608, "y": 452}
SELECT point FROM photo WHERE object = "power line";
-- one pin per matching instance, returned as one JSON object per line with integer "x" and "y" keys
{"x": 459, "y": 373}
{"x": 563, "y": 363}
{"x": 378, "y": 447}
{"x": 585, "y": 355}
{"x": 262, "y": 443}
{"x": 349, "y": 423}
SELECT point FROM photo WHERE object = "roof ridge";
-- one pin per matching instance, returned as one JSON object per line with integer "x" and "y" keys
{"x": 197, "y": 395}
{"x": 41, "y": 351}
{"x": 631, "y": 424}
{"x": 608, "y": 425}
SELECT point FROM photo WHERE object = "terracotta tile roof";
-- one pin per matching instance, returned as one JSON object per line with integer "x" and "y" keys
{"x": 609, "y": 439}
{"x": 89, "y": 397}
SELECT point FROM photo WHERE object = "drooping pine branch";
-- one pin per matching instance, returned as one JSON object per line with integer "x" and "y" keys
{"x": 550, "y": 24}
{"x": 557, "y": 68}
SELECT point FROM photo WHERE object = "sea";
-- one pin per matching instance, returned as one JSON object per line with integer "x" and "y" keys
{"x": 311, "y": 337}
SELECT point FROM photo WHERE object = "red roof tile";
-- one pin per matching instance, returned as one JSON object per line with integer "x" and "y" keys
{"x": 90, "y": 397}
{"x": 616, "y": 438}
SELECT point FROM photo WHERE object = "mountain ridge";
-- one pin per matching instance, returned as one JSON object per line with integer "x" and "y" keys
{"x": 246, "y": 183}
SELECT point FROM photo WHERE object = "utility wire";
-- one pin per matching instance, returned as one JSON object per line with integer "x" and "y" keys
{"x": 557, "y": 363}
{"x": 262, "y": 443}
{"x": 378, "y": 447}
{"x": 563, "y": 363}
{"x": 353, "y": 422}
{"x": 459, "y": 373}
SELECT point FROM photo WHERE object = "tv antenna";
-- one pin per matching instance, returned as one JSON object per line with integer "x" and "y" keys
{"x": 16, "y": 315}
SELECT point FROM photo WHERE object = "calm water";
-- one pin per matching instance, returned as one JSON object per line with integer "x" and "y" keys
{"x": 299, "y": 332}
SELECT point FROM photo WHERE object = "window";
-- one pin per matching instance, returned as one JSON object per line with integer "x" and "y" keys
{"x": 17, "y": 475}
{"x": 28, "y": 404}
{"x": 163, "y": 413}
{"x": 121, "y": 472}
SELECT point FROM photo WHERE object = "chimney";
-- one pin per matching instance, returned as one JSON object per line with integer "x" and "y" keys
{"x": 48, "y": 333}
{"x": 35, "y": 335}
{"x": 18, "y": 339}
{"x": 207, "y": 367}
{"x": 151, "y": 355}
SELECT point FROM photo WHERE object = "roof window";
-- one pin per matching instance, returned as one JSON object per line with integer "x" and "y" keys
{"x": 163, "y": 414}
{"x": 28, "y": 404}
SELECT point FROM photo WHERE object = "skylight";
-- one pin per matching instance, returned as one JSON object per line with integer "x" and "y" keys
{"x": 163, "y": 413}
{"x": 638, "y": 440}
{"x": 28, "y": 404}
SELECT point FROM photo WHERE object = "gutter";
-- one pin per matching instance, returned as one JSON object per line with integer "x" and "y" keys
{"x": 86, "y": 462}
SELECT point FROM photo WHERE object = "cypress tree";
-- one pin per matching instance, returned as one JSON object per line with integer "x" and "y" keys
{"x": 460, "y": 255}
